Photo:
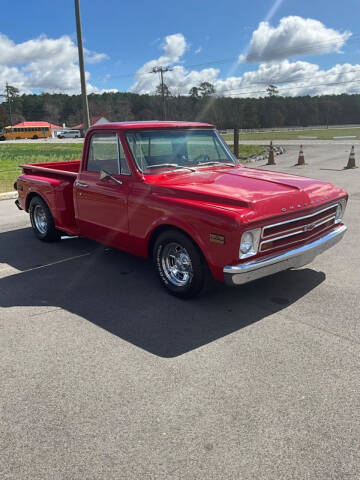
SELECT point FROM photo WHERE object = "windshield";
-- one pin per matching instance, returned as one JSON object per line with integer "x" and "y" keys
{"x": 171, "y": 149}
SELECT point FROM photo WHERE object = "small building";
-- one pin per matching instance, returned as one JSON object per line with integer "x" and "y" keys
{"x": 36, "y": 124}
{"x": 93, "y": 121}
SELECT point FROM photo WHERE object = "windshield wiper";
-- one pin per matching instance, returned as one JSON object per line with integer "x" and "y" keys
{"x": 217, "y": 162}
{"x": 168, "y": 165}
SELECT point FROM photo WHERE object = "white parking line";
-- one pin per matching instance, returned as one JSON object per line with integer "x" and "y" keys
{"x": 47, "y": 264}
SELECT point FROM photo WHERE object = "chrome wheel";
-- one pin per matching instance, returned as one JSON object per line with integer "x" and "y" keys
{"x": 176, "y": 264}
{"x": 40, "y": 219}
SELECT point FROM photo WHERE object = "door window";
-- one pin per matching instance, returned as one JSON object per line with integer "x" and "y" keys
{"x": 107, "y": 153}
{"x": 103, "y": 153}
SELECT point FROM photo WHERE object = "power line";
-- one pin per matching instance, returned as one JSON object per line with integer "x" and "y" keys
{"x": 233, "y": 59}
{"x": 273, "y": 81}
{"x": 292, "y": 88}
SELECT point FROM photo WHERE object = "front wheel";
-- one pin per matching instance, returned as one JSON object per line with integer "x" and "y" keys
{"x": 42, "y": 221}
{"x": 179, "y": 264}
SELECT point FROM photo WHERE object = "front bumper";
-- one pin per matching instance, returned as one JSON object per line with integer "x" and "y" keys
{"x": 298, "y": 257}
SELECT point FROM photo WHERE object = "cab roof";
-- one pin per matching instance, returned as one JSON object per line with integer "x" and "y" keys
{"x": 152, "y": 124}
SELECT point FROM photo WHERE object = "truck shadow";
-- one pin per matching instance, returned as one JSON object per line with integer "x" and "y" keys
{"x": 120, "y": 294}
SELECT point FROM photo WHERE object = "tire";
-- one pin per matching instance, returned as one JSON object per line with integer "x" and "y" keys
{"x": 42, "y": 221}
{"x": 35, "y": 137}
{"x": 173, "y": 247}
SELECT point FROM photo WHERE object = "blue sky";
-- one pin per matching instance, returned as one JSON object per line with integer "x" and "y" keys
{"x": 38, "y": 45}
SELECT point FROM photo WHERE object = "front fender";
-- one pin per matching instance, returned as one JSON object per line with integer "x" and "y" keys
{"x": 199, "y": 222}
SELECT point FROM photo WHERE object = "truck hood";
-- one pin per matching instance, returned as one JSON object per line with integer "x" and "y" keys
{"x": 264, "y": 193}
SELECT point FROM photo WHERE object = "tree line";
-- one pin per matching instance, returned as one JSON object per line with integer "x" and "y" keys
{"x": 201, "y": 104}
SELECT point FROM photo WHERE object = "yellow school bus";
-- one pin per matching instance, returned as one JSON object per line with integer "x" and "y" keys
{"x": 16, "y": 133}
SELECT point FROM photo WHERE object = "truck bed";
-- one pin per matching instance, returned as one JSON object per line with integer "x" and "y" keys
{"x": 53, "y": 181}
{"x": 68, "y": 169}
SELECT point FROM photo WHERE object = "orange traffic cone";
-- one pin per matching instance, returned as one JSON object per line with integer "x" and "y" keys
{"x": 351, "y": 161}
{"x": 271, "y": 159}
{"x": 301, "y": 159}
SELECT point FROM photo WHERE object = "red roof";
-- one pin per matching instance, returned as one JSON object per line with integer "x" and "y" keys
{"x": 37, "y": 124}
{"x": 152, "y": 124}
{"x": 92, "y": 121}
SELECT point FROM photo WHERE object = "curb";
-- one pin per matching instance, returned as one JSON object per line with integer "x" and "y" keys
{"x": 8, "y": 196}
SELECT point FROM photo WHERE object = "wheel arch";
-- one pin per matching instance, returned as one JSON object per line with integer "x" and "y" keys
{"x": 168, "y": 226}
{"x": 32, "y": 195}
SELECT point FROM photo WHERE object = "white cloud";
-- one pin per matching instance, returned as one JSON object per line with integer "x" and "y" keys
{"x": 292, "y": 79}
{"x": 178, "y": 78}
{"x": 44, "y": 64}
{"x": 198, "y": 50}
{"x": 93, "y": 57}
{"x": 50, "y": 65}
{"x": 293, "y": 36}
{"x": 174, "y": 46}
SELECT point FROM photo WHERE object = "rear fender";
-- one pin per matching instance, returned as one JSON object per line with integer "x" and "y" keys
{"x": 29, "y": 186}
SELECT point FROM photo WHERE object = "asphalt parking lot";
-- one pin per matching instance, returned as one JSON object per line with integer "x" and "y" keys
{"x": 105, "y": 376}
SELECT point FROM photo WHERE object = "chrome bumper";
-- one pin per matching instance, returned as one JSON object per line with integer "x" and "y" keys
{"x": 298, "y": 257}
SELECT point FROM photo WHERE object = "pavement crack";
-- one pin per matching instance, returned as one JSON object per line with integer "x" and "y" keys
{"x": 329, "y": 332}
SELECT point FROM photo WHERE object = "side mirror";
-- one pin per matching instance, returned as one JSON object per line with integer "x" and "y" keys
{"x": 104, "y": 175}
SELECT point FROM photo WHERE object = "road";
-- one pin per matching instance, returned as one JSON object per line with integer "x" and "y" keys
{"x": 310, "y": 142}
{"x": 43, "y": 140}
{"x": 105, "y": 376}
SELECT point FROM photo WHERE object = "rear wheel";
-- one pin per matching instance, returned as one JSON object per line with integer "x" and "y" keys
{"x": 179, "y": 264}
{"x": 35, "y": 137}
{"x": 42, "y": 221}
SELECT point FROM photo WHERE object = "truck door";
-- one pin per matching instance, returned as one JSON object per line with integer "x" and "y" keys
{"x": 101, "y": 204}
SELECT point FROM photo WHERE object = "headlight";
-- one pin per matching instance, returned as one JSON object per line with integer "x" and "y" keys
{"x": 340, "y": 210}
{"x": 249, "y": 243}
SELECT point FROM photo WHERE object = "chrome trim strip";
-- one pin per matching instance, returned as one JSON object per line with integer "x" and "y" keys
{"x": 288, "y": 245}
{"x": 298, "y": 218}
{"x": 273, "y": 239}
{"x": 297, "y": 232}
{"x": 298, "y": 257}
{"x": 273, "y": 236}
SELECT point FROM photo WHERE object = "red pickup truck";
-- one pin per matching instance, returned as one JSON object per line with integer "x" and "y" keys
{"x": 174, "y": 191}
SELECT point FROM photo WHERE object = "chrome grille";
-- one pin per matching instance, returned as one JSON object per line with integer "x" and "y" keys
{"x": 300, "y": 229}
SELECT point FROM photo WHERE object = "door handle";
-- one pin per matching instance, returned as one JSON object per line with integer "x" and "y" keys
{"x": 81, "y": 184}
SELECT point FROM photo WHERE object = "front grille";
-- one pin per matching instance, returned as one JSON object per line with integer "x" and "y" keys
{"x": 300, "y": 229}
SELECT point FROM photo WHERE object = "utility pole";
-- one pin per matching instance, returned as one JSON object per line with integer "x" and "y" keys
{"x": 86, "y": 117}
{"x": 162, "y": 70}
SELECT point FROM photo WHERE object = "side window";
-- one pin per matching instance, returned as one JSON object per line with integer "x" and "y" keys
{"x": 124, "y": 166}
{"x": 103, "y": 153}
